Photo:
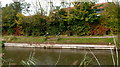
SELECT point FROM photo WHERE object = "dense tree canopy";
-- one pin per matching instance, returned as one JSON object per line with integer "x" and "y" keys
{"x": 111, "y": 16}
{"x": 8, "y": 19}
{"x": 81, "y": 19}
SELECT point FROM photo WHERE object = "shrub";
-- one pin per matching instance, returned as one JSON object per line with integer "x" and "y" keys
{"x": 100, "y": 30}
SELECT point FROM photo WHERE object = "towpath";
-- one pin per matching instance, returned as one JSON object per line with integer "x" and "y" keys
{"x": 92, "y": 37}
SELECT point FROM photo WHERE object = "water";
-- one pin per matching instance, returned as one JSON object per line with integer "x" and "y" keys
{"x": 16, "y": 56}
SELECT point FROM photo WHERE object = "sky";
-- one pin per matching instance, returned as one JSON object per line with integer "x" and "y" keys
{"x": 43, "y": 3}
{"x": 4, "y": 2}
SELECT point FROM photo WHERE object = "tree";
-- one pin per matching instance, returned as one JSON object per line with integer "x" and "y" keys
{"x": 16, "y": 6}
{"x": 110, "y": 17}
{"x": 81, "y": 17}
{"x": 19, "y": 21}
{"x": 56, "y": 23}
{"x": 8, "y": 19}
{"x": 20, "y": 6}
{"x": 74, "y": 20}
{"x": 37, "y": 25}
{"x": 12, "y": 14}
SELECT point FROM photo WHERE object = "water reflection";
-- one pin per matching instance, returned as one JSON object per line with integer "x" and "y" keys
{"x": 55, "y": 56}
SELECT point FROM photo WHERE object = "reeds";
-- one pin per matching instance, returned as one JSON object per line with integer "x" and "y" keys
{"x": 58, "y": 58}
{"x": 31, "y": 60}
{"x": 116, "y": 52}
{"x": 86, "y": 62}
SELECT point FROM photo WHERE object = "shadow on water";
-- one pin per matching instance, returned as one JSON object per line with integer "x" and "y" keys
{"x": 55, "y": 56}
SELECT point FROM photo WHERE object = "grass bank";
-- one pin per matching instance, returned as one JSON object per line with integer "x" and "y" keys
{"x": 58, "y": 39}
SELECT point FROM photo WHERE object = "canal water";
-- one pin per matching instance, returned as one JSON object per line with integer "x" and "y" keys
{"x": 39, "y": 56}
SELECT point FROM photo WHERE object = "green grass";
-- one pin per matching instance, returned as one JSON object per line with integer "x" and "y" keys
{"x": 24, "y": 39}
{"x": 86, "y": 40}
{"x": 56, "y": 39}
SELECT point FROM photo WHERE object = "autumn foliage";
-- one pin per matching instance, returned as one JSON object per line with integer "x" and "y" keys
{"x": 82, "y": 20}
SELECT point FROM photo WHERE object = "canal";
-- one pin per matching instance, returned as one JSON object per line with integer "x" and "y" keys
{"x": 39, "y": 56}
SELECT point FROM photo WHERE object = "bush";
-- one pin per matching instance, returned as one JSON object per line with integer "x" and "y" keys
{"x": 100, "y": 30}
